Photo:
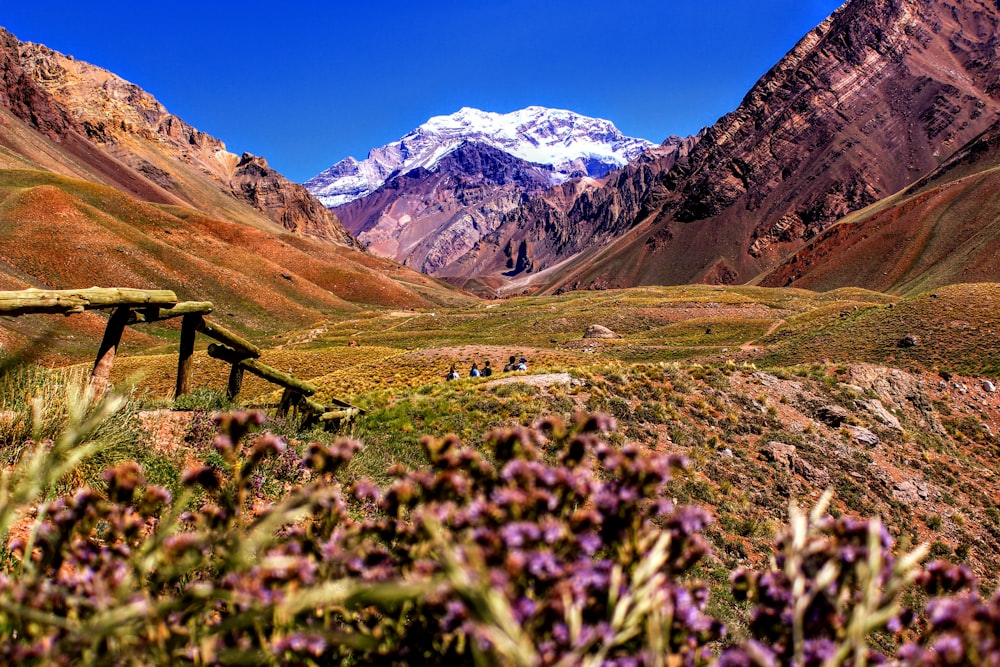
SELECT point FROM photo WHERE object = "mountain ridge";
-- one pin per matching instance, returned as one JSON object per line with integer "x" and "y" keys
{"x": 570, "y": 143}
{"x": 132, "y": 127}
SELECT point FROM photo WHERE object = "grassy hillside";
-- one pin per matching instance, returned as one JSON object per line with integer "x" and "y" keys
{"x": 741, "y": 381}
{"x": 954, "y": 330}
{"x": 718, "y": 374}
{"x": 770, "y": 395}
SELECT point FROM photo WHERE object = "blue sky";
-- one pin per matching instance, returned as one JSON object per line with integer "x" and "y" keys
{"x": 308, "y": 83}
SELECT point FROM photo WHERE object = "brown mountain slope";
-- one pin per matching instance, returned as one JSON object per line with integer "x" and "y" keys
{"x": 175, "y": 162}
{"x": 944, "y": 229}
{"x": 864, "y": 105}
{"x": 534, "y": 239}
{"x": 60, "y": 233}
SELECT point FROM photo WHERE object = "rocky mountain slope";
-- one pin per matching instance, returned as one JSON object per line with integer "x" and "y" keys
{"x": 99, "y": 185}
{"x": 943, "y": 229}
{"x": 870, "y": 101}
{"x": 532, "y": 242}
{"x": 426, "y": 218}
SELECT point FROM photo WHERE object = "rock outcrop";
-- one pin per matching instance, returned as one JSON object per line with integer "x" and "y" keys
{"x": 600, "y": 331}
{"x": 285, "y": 202}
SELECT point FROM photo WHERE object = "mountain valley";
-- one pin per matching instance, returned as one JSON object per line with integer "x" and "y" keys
{"x": 798, "y": 305}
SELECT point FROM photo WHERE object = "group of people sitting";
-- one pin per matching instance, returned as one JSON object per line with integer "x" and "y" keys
{"x": 513, "y": 365}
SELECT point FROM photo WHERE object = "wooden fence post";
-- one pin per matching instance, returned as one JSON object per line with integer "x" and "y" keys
{"x": 189, "y": 324}
{"x": 106, "y": 353}
{"x": 235, "y": 381}
{"x": 289, "y": 399}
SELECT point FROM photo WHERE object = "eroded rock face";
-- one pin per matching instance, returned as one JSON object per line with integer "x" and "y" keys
{"x": 285, "y": 202}
{"x": 881, "y": 414}
{"x": 23, "y": 96}
{"x": 901, "y": 391}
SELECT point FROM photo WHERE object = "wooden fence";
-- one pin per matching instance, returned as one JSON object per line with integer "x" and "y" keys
{"x": 134, "y": 306}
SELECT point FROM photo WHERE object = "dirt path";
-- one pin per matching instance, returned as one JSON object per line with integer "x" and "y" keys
{"x": 750, "y": 346}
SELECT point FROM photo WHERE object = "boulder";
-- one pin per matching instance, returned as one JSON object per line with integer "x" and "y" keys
{"x": 598, "y": 331}
{"x": 779, "y": 452}
{"x": 909, "y": 340}
{"x": 863, "y": 436}
{"x": 832, "y": 415}
{"x": 910, "y": 491}
{"x": 817, "y": 476}
{"x": 989, "y": 387}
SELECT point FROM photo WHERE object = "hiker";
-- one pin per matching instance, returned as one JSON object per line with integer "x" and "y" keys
{"x": 511, "y": 365}
{"x": 522, "y": 365}
{"x": 474, "y": 373}
{"x": 487, "y": 369}
{"x": 452, "y": 373}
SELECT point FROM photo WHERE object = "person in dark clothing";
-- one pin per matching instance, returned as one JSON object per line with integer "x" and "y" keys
{"x": 487, "y": 369}
{"x": 511, "y": 365}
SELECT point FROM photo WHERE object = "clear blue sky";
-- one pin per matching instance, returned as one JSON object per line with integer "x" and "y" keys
{"x": 308, "y": 83}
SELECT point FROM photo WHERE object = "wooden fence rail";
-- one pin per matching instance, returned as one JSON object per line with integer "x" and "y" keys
{"x": 68, "y": 302}
{"x": 135, "y": 306}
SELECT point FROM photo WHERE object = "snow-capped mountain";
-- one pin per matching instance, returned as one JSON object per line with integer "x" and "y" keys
{"x": 571, "y": 144}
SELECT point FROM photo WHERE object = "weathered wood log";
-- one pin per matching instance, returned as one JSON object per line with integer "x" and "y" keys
{"x": 259, "y": 369}
{"x": 227, "y": 337}
{"x": 179, "y": 310}
{"x": 189, "y": 327}
{"x": 333, "y": 415}
{"x": 106, "y": 353}
{"x": 75, "y": 301}
{"x": 315, "y": 407}
{"x": 344, "y": 404}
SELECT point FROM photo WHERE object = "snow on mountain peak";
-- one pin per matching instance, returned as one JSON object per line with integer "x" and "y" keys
{"x": 573, "y": 145}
